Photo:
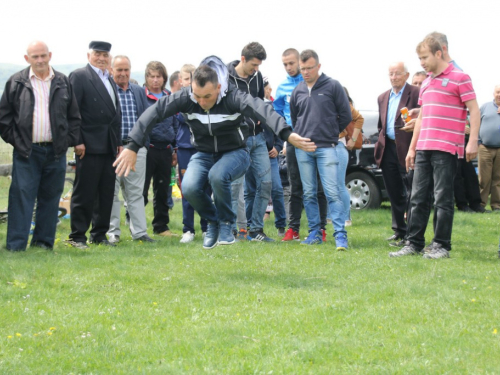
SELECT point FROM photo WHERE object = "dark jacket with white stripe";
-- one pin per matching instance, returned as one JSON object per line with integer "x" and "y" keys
{"x": 220, "y": 129}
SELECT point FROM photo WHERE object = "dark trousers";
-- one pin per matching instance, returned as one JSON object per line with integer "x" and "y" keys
{"x": 40, "y": 177}
{"x": 396, "y": 184}
{"x": 297, "y": 194}
{"x": 440, "y": 167}
{"x": 159, "y": 168}
{"x": 183, "y": 157}
{"x": 94, "y": 186}
{"x": 466, "y": 185}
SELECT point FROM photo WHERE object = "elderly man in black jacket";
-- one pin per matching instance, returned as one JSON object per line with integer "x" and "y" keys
{"x": 38, "y": 116}
{"x": 100, "y": 141}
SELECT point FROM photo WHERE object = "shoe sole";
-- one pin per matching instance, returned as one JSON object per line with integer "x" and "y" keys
{"x": 226, "y": 242}
{"x": 295, "y": 239}
{"x": 341, "y": 248}
{"x": 187, "y": 241}
{"x": 208, "y": 248}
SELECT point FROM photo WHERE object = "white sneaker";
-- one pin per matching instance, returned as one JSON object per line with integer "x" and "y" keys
{"x": 187, "y": 237}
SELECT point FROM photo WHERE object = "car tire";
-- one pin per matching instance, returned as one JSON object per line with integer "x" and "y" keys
{"x": 363, "y": 191}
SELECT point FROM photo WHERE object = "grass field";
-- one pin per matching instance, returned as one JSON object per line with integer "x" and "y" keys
{"x": 253, "y": 308}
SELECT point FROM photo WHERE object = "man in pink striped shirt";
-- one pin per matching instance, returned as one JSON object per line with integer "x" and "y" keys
{"x": 438, "y": 139}
{"x": 39, "y": 116}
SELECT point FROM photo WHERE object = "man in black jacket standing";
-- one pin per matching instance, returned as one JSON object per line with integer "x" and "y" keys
{"x": 38, "y": 116}
{"x": 214, "y": 114}
{"x": 99, "y": 143}
{"x": 320, "y": 110}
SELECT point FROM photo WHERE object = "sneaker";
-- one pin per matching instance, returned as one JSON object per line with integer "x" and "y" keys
{"x": 323, "y": 235}
{"x": 226, "y": 236}
{"x": 314, "y": 238}
{"x": 291, "y": 235}
{"x": 436, "y": 251}
{"x": 212, "y": 237}
{"x": 281, "y": 232}
{"x": 114, "y": 238}
{"x": 341, "y": 242}
{"x": 187, "y": 237}
{"x": 408, "y": 249}
{"x": 203, "y": 234}
{"x": 259, "y": 236}
{"x": 77, "y": 244}
{"x": 242, "y": 235}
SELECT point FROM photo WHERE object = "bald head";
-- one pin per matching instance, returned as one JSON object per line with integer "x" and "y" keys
{"x": 398, "y": 75}
{"x": 38, "y": 56}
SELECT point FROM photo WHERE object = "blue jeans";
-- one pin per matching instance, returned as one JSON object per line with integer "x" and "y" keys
{"x": 258, "y": 182}
{"x": 440, "y": 167}
{"x": 217, "y": 170}
{"x": 183, "y": 157}
{"x": 330, "y": 163}
{"x": 343, "y": 157}
{"x": 277, "y": 195}
{"x": 238, "y": 203}
{"x": 40, "y": 177}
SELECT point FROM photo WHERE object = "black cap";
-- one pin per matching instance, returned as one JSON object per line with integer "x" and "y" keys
{"x": 100, "y": 46}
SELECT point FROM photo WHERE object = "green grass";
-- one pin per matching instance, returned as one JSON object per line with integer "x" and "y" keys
{"x": 253, "y": 308}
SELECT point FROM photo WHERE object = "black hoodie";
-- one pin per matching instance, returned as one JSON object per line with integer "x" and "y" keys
{"x": 253, "y": 85}
{"x": 322, "y": 113}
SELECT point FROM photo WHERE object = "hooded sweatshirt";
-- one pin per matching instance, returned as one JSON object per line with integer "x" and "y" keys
{"x": 283, "y": 93}
{"x": 220, "y": 129}
{"x": 322, "y": 113}
{"x": 253, "y": 85}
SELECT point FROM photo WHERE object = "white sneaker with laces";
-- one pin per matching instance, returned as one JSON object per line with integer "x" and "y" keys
{"x": 187, "y": 237}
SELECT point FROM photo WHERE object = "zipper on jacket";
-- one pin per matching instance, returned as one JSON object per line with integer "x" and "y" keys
{"x": 241, "y": 134}
{"x": 210, "y": 131}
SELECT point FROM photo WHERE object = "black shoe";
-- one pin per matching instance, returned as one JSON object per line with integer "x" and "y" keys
{"x": 399, "y": 243}
{"x": 41, "y": 245}
{"x": 480, "y": 209}
{"x": 145, "y": 238}
{"x": 395, "y": 237}
{"x": 103, "y": 243}
{"x": 466, "y": 209}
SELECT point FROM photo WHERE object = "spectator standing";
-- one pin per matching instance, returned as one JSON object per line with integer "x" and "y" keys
{"x": 132, "y": 104}
{"x": 39, "y": 117}
{"x": 161, "y": 154}
{"x": 99, "y": 143}
{"x": 320, "y": 111}
{"x": 392, "y": 146}
{"x": 438, "y": 139}
{"x": 418, "y": 78}
{"x": 489, "y": 152}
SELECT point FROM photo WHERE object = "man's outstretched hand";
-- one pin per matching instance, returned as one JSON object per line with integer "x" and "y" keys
{"x": 125, "y": 162}
{"x": 302, "y": 143}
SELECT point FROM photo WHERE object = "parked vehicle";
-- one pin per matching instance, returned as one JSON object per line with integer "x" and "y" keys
{"x": 363, "y": 178}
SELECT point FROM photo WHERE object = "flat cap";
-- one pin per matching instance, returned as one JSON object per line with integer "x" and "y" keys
{"x": 100, "y": 46}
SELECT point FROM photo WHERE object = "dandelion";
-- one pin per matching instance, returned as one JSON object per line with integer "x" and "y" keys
{"x": 473, "y": 300}
{"x": 18, "y": 335}
{"x": 49, "y": 333}
{"x": 495, "y": 331}
{"x": 155, "y": 303}
{"x": 9, "y": 337}
{"x": 465, "y": 282}
{"x": 36, "y": 334}
{"x": 52, "y": 328}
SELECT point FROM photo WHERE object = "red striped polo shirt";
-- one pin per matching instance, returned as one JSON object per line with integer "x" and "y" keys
{"x": 443, "y": 111}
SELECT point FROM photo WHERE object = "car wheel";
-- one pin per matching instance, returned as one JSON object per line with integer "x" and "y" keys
{"x": 363, "y": 190}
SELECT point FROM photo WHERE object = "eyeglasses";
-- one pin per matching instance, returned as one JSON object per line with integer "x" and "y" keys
{"x": 397, "y": 74}
{"x": 308, "y": 68}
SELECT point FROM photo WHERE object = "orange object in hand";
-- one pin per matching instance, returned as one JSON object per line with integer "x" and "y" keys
{"x": 404, "y": 114}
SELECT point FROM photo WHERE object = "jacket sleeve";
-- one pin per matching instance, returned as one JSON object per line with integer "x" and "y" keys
{"x": 74, "y": 119}
{"x": 167, "y": 106}
{"x": 257, "y": 108}
{"x": 7, "y": 115}
{"x": 77, "y": 87}
{"x": 175, "y": 125}
{"x": 293, "y": 109}
{"x": 279, "y": 102}
{"x": 343, "y": 106}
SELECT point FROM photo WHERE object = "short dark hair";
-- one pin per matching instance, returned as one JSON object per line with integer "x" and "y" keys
{"x": 291, "y": 51}
{"x": 254, "y": 50}
{"x": 174, "y": 77}
{"x": 307, "y": 54}
{"x": 160, "y": 68}
{"x": 431, "y": 42}
{"x": 421, "y": 73}
{"x": 204, "y": 74}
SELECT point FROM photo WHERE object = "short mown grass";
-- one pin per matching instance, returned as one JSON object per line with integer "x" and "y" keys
{"x": 254, "y": 308}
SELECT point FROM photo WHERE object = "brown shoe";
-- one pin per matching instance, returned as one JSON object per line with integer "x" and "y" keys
{"x": 167, "y": 233}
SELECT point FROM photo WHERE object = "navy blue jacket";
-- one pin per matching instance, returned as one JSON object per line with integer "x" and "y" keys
{"x": 322, "y": 114}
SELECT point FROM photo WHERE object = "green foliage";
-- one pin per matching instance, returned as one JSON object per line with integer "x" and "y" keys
{"x": 280, "y": 308}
